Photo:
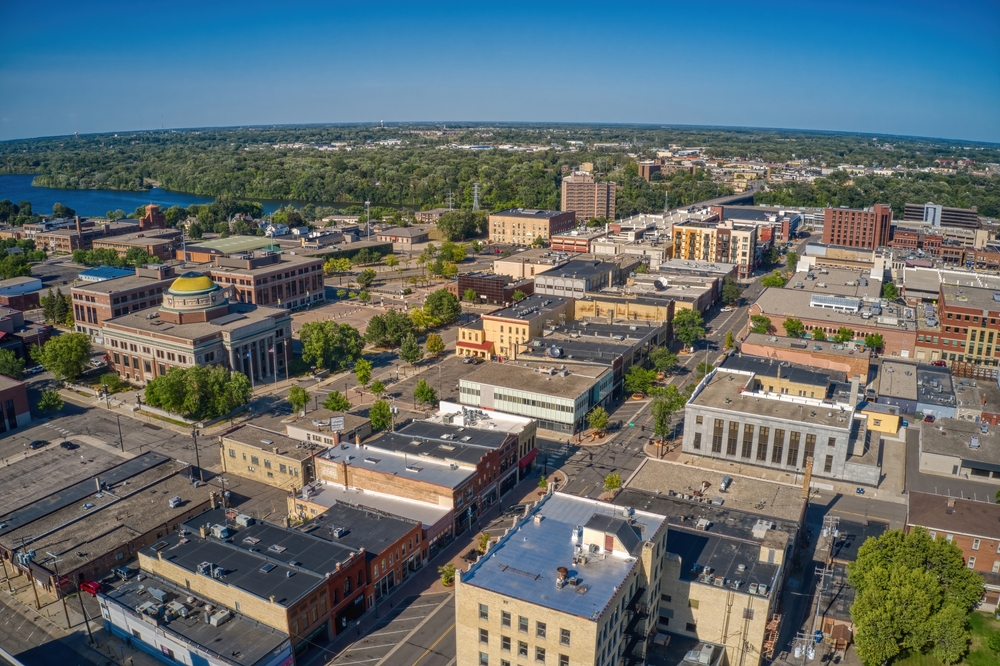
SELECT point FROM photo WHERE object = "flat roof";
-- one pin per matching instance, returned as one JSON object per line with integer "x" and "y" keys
{"x": 748, "y": 494}
{"x": 796, "y": 303}
{"x": 408, "y": 232}
{"x": 769, "y": 367}
{"x": 686, "y": 266}
{"x": 106, "y": 272}
{"x": 530, "y": 213}
{"x": 579, "y": 269}
{"x": 528, "y": 377}
{"x": 238, "y": 640}
{"x": 393, "y": 463}
{"x": 930, "y": 279}
{"x": 231, "y": 245}
{"x": 532, "y": 307}
{"x": 283, "y": 263}
{"x": 318, "y": 419}
{"x": 362, "y": 528}
{"x": 847, "y": 350}
{"x": 581, "y": 232}
{"x": 723, "y": 390}
{"x": 953, "y": 514}
{"x": 835, "y": 282}
{"x": 332, "y": 494}
{"x": 268, "y": 440}
{"x": 981, "y": 394}
{"x": 523, "y": 563}
{"x": 850, "y": 536}
{"x": 14, "y": 281}
{"x": 897, "y": 380}
{"x": 934, "y": 386}
{"x": 9, "y": 383}
{"x": 251, "y": 314}
{"x": 952, "y": 437}
{"x": 141, "y": 240}
{"x": 975, "y": 298}
{"x": 124, "y": 283}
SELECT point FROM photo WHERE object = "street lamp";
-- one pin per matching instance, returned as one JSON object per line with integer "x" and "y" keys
{"x": 107, "y": 396}
{"x": 121, "y": 441}
{"x": 197, "y": 456}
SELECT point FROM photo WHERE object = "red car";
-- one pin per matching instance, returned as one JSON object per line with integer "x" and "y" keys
{"x": 91, "y": 586}
{"x": 929, "y": 418}
{"x": 940, "y": 364}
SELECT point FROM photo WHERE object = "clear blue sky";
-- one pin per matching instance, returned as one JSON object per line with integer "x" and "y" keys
{"x": 908, "y": 67}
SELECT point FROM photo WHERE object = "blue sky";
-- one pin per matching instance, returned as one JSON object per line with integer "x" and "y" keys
{"x": 879, "y": 66}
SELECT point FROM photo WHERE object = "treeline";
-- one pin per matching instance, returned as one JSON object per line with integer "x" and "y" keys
{"x": 841, "y": 189}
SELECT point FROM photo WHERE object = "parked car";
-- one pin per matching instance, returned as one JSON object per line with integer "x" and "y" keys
{"x": 37, "y": 444}
{"x": 467, "y": 360}
{"x": 34, "y": 370}
{"x": 929, "y": 418}
{"x": 69, "y": 446}
{"x": 514, "y": 510}
{"x": 726, "y": 309}
{"x": 940, "y": 364}
{"x": 123, "y": 572}
{"x": 91, "y": 586}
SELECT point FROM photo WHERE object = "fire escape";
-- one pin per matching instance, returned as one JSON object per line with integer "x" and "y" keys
{"x": 636, "y": 631}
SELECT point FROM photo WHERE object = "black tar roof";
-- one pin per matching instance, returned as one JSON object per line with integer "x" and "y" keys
{"x": 431, "y": 446}
{"x": 766, "y": 367}
{"x": 479, "y": 437}
{"x": 850, "y": 537}
{"x": 537, "y": 305}
{"x": 579, "y": 268}
{"x": 722, "y": 555}
{"x": 72, "y": 494}
{"x": 366, "y": 528}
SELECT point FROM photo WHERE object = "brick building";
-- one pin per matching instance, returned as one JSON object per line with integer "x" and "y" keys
{"x": 153, "y": 219}
{"x": 404, "y": 236}
{"x": 269, "y": 278}
{"x": 493, "y": 288}
{"x": 64, "y": 240}
{"x": 578, "y": 240}
{"x": 966, "y": 329}
{"x": 15, "y": 412}
{"x": 852, "y": 227}
{"x": 161, "y": 244}
{"x": 267, "y": 456}
{"x": 521, "y": 226}
{"x": 96, "y": 302}
{"x": 587, "y": 198}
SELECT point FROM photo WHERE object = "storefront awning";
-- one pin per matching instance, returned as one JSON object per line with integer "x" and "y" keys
{"x": 527, "y": 460}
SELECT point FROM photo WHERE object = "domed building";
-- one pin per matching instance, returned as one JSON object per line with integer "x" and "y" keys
{"x": 199, "y": 323}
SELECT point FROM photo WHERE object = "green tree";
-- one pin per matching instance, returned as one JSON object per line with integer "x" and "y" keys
{"x": 791, "y": 261}
{"x": 458, "y": 225}
{"x": 337, "y": 402}
{"x": 65, "y": 356}
{"x": 137, "y": 256}
{"x": 641, "y": 269}
{"x": 793, "y": 327}
{"x": 409, "y": 349}
{"x": 612, "y": 482}
{"x": 874, "y": 341}
{"x": 388, "y": 329}
{"x": 364, "y": 296}
{"x": 773, "y": 280}
{"x": 543, "y": 483}
{"x": 639, "y": 379}
{"x": 665, "y": 405}
{"x": 730, "y": 342}
{"x": 663, "y": 360}
{"x": 843, "y": 335}
{"x": 299, "y": 398}
{"x": 689, "y": 327}
{"x": 442, "y": 306}
{"x": 199, "y": 392}
{"x": 913, "y": 593}
{"x": 337, "y": 266}
{"x": 470, "y": 295}
{"x": 731, "y": 291}
{"x": 50, "y": 401}
{"x": 61, "y": 211}
{"x": 889, "y": 291}
{"x": 760, "y": 324}
{"x": 14, "y": 265}
{"x": 818, "y": 334}
{"x": 703, "y": 369}
{"x": 380, "y": 415}
{"x": 994, "y": 641}
{"x": 538, "y": 242}
{"x": 330, "y": 345}
{"x": 424, "y": 393}
{"x": 366, "y": 277}
{"x": 10, "y": 365}
{"x": 390, "y": 260}
{"x": 598, "y": 419}
{"x": 434, "y": 344}
{"x": 377, "y": 388}
{"x": 363, "y": 371}
{"x": 447, "y": 572}
{"x": 518, "y": 295}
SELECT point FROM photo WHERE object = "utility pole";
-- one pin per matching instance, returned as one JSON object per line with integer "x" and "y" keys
{"x": 121, "y": 441}
{"x": 475, "y": 196}
{"x": 368, "y": 213}
{"x": 86, "y": 622}
{"x": 197, "y": 457}
{"x": 55, "y": 567}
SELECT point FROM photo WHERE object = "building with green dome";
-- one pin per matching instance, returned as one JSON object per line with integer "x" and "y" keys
{"x": 199, "y": 322}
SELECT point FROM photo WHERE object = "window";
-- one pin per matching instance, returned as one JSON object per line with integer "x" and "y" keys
{"x": 747, "y": 613}
{"x": 975, "y": 544}
{"x": 699, "y": 420}
{"x": 833, "y": 440}
{"x": 563, "y": 660}
{"x": 692, "y": 603}
{"x": 777, "y": 447}
{"x": 232, "y": 453}
{"x": 484, "y": 612}
{"x": 717, "y": 437}
{"x": 254, "y": 460}
{"x": 747, "y": 440}
{"x": 828, "y": 465}
{"x": 564, "y": 637}
{"x": 949, "y": 537}
{"x": 484, "y": 636}
{"x": 972, "y": 563}
{"x": 691, "y": 626}
{"x": 734, "y": 432}
{"x": 505, "y": 643}
{"x": 522, "y": 649}
{"x": 540, "y": 629}
{"x": 665, "y": 597}
{"x": 697, "y": 441}
{"x": 522, "y": 624}
{"x": 933, "y": 536}
{"x": 504, "y": 619}
{"x": 793, "y": 449}
{"x": 540, "y": 654}
{"x": 484, "y": 659}
{"x": 762, "y": 434}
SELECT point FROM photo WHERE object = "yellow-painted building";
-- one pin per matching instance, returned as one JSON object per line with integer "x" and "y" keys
{"x": 883, "y": 418}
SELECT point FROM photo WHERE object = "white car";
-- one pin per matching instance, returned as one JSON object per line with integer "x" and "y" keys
{"x": 726, "y": 309}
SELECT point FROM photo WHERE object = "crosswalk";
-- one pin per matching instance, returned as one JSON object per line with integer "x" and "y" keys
{"x": 63, "y": 431}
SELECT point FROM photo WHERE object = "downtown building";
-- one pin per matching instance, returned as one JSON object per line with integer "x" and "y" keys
{"x": 521, "y": 226}
{"x": 851, "y": 227}
{"x": 588, "y": 198}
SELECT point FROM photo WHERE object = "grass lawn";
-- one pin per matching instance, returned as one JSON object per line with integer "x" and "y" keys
{"x": 983, "y": 625}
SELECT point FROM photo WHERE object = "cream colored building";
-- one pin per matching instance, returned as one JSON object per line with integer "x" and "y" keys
{"x": 521, "y": 226}
{"x": 267, "y": 456}
{"x": 576, "y": 581}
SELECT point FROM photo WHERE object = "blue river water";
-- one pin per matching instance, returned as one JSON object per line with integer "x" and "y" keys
{"x": 96, "y": 203}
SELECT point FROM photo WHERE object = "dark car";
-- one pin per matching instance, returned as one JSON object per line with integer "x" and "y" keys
{"x": 514, "y": 510}
{"x": 929, "y": 418}
{"x": 37, "y": 444}
{"x": 69, "y": 446}
{"x": 940, "y": 364}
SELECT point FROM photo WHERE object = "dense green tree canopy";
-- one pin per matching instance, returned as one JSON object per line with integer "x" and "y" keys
{"x": 199, "y": 392}
{"x": 65, "y": 356}
{"x": 689, "y": 326}
{"x": 330, "y": 345}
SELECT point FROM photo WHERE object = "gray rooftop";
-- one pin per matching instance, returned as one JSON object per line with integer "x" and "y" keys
{"x": 532, "y": 307}
{"x": 268, "y": 440}
{"x": 526, "y": 377}
{"x": 767, "y": 367}
{"x": 122, "y": 284}
{"x": 239, "y": 640}
{"x": 241, "y": 314}
{"x": 974, "y": 298}
{"x": 532, "y": 213}
{"x": 952, "y": 437}
{"x": 703, "y": 268}
{"x": 392, "y": 463}
{"x": 365, "y": 528}
{"x": 898, "y": 380}
{"x": 330, "y": 495}
{"x": 934, "y": 386}
{"x": 523, "y": 564}
{"x": 795, "y": 303}
{"x": 812, "y": 346}
{"x": 835, "y": 281}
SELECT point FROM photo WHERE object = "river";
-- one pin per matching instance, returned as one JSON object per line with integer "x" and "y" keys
{"x": 96, "y": 203}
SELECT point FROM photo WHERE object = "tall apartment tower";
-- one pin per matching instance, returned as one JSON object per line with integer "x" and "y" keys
{"x": 588, "y": 199}
{"x": 851, "y": 227}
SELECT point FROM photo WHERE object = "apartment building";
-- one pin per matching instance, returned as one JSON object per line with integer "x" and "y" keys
{"x": 966, "y": 328}
{"x": 537, "y": 596}
{"x": 781, "y": 417}
{"x": 723, "y": 242}
{"x": 868, "y": 228}
{"x": 267, "y": 456}
{"x": 64, "y": 240}
{"x": 521, "y": 226}
{"x": 160, "y": 244}
{"x": 588, "y": 198}
{"x": 269, "y": 278}
{"x": 96, "y": 302}
{"x": 520, "y": 322}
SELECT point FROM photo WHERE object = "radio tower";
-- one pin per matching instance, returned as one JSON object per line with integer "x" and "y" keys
{"x": 475, "y": 196}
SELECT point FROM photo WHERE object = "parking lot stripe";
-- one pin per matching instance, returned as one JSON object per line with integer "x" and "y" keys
{"x": 416, "y": 629}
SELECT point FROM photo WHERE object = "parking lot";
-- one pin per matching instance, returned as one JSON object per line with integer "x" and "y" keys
{"x": 420, "y": 629}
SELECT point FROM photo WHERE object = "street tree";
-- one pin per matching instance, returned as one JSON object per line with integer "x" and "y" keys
{"x": 65, "y": 356}
{"x": 299, "y": 398}
{"x": 703, "y": 369}
{"x": 665, "y": 405}
{"x": 442, "y": 306}
{"x": 330, "y": 345}
{"x": 380, "y": 415}
{"x": 818, "y": 334}
{"x": 773, "y": 280}
{"x": 793, "y": 327}
{"x": 388, "y": 329}
{"x": 663, "y": 360}
{"x": 612, "y": 482}
{"x": 337, "y": 402}
{"x": 791, "y": 261}
{"x": 378, "y": 388}
{"x": 730, "y": 342}
{"x": 434, "y": 344}
{"x": 874, "y": 341}
{"x": 365, "y": 278}
{"x": 598, "y": 420}
{"x": 470, "y": 295}
{"x": 760, "y": 324}
{"x": 424, "y": 393}
{"x": 50, "y": 401}
{"x": 843, "y": 335}
{"x": 390, "y": 260}
{"x": 363, "y": 371}
{"x": 731, "y": 291}
{"x": 639, "y": 379}
{"x": 10, "y": 365}
{"x": 689, "y": 327}
{"x": 409, "y": 349}
{"x": 913, "y": 595}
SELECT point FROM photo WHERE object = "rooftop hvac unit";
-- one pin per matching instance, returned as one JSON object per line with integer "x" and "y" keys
{"x": 220, "y": 531}
{"x": 243, "y": 520}
{"x": 219, "y": 618}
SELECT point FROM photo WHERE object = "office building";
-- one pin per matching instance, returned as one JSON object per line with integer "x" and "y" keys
{"x": 587, "y": 198}
{"x": 964, "y": 328}
{"x": 575, "y": 581}
{"x": 162, "y": 244}
{"x": 719, "y": 242}
{"x": 498, "y": 333}
{"x": 761, "y": 413}
{"x": 521, "y": 226}
{"x": 579, "y": 240}
{"x": 577, "y": 277}
{"x": 494, "y": 288}
{"x": 852, "y": 227}
{"x": 527, "y": 264}
{"x": 960, "y": 449}
{"x": 95, "y": 302}
{"x": 268, "y": 278}
{"x": 818, "y": 354}
{"x": 196, "y": 324}
{"x": 941, "y": 216}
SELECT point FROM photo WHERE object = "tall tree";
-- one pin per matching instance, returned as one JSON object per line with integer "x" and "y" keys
{"x": 299, "y": 398}
{"x": 424, "y": 393}
{"x": 10, "y": 365}
{"x": 442, "y": 306}
{"x": 598, "y": 419}
{"x": 409, "y": 349}
{"x": 689, "y": 327}
{"x": 434, "y": 344}
{"x": 380, "y": 415}
{"x": 793, "y": 327}
{"x": 639, "y": 379}
{"x": 330, "y": 345}
{"x": 731, "y": 291}
{"x": 65, "y": 356}
{"x": 363, "y": 371}
{"x": 337, "y": 402}
{"x": 760, "y": 324}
